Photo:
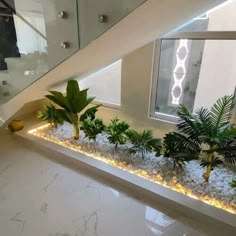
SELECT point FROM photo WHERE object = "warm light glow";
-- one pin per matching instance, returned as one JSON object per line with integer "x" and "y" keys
{"x": 33, "y": 131}
{"x": 139, "y": 172}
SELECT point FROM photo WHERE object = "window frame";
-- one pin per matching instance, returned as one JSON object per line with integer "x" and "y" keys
{"x": 206, "y": 35}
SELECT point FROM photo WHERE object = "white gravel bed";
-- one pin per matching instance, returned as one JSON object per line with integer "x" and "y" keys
{"x": 159, "y": 169}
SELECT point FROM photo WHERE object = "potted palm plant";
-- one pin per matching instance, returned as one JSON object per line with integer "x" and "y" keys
{"x": 208, "y": 134}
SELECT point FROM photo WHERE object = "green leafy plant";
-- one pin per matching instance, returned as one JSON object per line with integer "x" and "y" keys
{"x": 90, "y": 113}
{"x": 117, "y": 132}
{"x": 92, "y": 127}
{"x": 143, "y": 142}
{"x": 51, "y": 115}
{"x": 211, "y": 130}
{"x": 233, "y": 183}
{"x": 180, "y": 148}
{"x": 72, "y": 104}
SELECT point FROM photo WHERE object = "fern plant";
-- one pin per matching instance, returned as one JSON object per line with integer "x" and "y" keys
{"x": 208, "y": 134}
{"x": 92, "y": 127}
{"x": 143, "y": 142}
{"x": 117, "y": 132}
{"x": 72, "y": 104}
{"x": 51, "y": 115}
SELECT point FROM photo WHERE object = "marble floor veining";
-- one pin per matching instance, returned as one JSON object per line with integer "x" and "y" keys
{"x": 45, "y": 194}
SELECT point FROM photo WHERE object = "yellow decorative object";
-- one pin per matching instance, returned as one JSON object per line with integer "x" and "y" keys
{"x": 15, "y": 125}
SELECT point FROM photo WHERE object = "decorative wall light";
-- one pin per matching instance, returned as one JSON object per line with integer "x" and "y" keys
{"x": 179, "y": 72}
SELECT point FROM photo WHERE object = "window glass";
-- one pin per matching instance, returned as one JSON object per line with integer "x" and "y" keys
{"x": 195, "y": 69}
{"x": 194, "y": 73}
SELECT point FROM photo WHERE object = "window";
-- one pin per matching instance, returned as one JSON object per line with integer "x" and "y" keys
{"x": 195, "y": 64}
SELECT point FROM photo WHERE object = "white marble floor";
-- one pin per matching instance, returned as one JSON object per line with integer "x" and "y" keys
{"x": 44, "y": 194}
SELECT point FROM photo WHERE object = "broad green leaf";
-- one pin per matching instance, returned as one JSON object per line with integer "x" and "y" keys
{"x": 59, "y": 99}
{"x": 73, "y": 95}
{"x": 90, "y": 112}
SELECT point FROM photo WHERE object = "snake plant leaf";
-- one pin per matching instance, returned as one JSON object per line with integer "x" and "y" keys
{"x": 76, "y": 98}
{"x": 83, "y": 100}
{"x": 72, "y": 91}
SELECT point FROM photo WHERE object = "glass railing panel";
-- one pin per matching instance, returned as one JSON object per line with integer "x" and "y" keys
{"x": 32, "y": 41}
{"x": 35, "y": 36}
{"x": 96, "y": 17}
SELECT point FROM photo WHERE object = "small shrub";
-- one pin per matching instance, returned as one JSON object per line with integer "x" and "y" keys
{"x": 51, "y": 115}
{"x": 233, "y": 183}
{"x": 92, "y": 127}
{"x": 117, "y": 132}
{"x": 144, "y": 142}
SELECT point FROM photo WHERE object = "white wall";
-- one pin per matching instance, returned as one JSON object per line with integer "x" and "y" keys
{"x": 135, "y": 91}
{"x": 150, "y": 21}
{"x": 104, "y": 84}
{"x": 218, "y": 70}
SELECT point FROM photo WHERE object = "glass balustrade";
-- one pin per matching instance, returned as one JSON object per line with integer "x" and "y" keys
{"x": 35, "y": 36}
{"x": 32, "y": 42}
{"x": 97, "y": 16}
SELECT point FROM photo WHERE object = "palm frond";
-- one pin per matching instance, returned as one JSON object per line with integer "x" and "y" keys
{"x": 143, "y": 142}
{"x": 176, "y": 144}
{"x": 233, "y": 183}
{"x": 215, "y": 162}
{"x": 228, "y": 151}
{"x": 220, "y": 112}
{"x": 187, "y": 123}
{"x": 203, "y": 120}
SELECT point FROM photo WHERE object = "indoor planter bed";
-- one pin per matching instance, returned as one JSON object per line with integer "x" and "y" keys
{"x": 155, "y": 174}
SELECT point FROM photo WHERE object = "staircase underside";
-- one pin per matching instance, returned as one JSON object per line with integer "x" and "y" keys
{"x": 147, "y": 23}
